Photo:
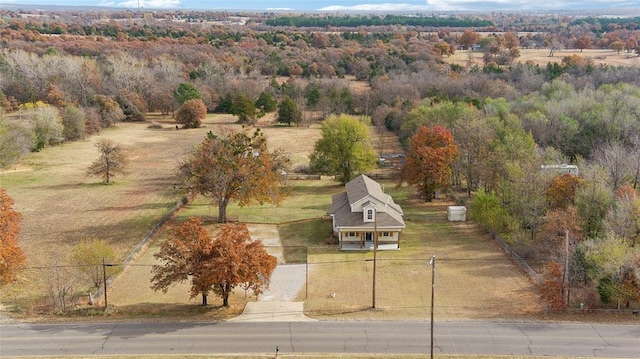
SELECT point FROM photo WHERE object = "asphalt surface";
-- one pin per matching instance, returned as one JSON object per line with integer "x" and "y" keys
{"x": 471, "y": 338}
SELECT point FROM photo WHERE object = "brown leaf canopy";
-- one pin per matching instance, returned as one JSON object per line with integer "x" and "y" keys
{"x": 11, "y": 256}
{"x": 431, "y": 152}
{"x": 236, "y": 165}
{"x": 230, "y": 260}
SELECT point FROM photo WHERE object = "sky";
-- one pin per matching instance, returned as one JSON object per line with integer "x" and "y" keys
{"x": 346, "y": 5}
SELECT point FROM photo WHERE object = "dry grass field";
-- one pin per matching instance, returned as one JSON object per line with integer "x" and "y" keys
{"x": 474, "y": 279}
{"x": 60, "y": 205}
{"x": 541, "y": 57}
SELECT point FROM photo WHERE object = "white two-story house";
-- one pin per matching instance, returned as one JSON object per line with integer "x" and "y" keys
{"x": 363, "y": 211}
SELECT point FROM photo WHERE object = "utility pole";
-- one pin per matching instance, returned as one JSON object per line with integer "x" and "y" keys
{"x": 432, "y": 264}
{"x": 375, "y": 250}
{"x": 104, "y": 280}
{"x": 565, "y": 277}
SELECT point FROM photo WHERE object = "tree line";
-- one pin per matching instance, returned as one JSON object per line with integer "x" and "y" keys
{"x": 356, "y": 21}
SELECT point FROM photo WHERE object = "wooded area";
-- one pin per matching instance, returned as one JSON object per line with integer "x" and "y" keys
{"x": 67, "y": 75}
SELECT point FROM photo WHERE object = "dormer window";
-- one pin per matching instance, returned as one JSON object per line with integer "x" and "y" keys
{"x": 369, "y": 214}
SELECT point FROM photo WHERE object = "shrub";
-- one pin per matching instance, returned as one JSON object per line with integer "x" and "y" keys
{"x": 487, "y": 210}
{"x": 191, "y": 113}
{"x": 74, "y": 121}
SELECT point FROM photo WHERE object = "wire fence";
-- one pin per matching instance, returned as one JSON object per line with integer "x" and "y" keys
{"x": 537, "y": 278}
{"x": 127, "y": 261}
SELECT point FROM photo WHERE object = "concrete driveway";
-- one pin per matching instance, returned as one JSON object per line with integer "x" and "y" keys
{"x": 278, "y": 304}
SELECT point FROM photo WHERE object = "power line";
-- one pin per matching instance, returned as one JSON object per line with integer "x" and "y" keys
{"x": 418, "y": 261}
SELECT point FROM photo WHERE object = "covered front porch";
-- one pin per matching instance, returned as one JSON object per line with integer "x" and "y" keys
{"x": 368, "y": 246}
{"x": 363, "y": 241}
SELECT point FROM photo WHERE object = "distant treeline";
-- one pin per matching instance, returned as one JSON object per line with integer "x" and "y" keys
{"x": 354, "y": 21}
{"x": 602, "y": 23}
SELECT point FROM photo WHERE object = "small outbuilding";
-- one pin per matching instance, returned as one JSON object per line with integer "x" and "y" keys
{"x": 457, "y": 213}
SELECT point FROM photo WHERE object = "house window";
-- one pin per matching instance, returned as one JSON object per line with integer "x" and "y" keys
{"x": 385, "y": 234}
{"x": 351, "y": 234}
{"x": 369, "y": 215}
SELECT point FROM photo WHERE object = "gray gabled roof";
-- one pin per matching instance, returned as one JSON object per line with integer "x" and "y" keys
{"x": 356, "y": 190}
{"x": 363, "y": 186}
{"x": 338, "y": 202}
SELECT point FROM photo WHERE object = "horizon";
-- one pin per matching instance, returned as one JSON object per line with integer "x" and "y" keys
{"x": 339, "y": 5}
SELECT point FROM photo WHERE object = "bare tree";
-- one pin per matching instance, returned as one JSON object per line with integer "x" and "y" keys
{"x": 623, "y": 218}
{"x": 15, "y": 141}
{"x": 63, "y": 288}
{"x": 112, "y": 161}
{"x": 47, "y": 124}
{"x": 614, "y": 158}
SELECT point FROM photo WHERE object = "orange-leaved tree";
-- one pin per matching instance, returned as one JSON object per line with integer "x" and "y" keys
{"x": 11, "y": 256}
{"x": 562, "y": 190}
{"x": 183, "y": 254}
{"x": 236, "y": 165}
{"x": 213, "y": 265}
{"x": 236, "y": 260}
{"x": 428, "y": 162}
{"x": 191, "y": 113}
{"x": 552, "y": 289}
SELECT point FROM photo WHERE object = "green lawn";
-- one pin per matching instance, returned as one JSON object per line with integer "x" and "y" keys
{"x": 308, "y": 199}
{"x": 475, "y": 279}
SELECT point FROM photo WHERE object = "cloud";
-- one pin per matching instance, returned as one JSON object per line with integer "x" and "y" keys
{"x": 478, "y": 5}
{"x": 376, "y": 7}
{"x": 460, "y": 5}
{"x": 149, "y": 4}
{"x": 445, "y": 5}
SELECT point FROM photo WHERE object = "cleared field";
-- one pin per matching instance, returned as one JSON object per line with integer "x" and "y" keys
{"x": 541, "y": 57}
{"x": 61, "y": 205}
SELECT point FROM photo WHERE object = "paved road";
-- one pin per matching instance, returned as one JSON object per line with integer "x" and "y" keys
{"x": 504, "y": 338}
